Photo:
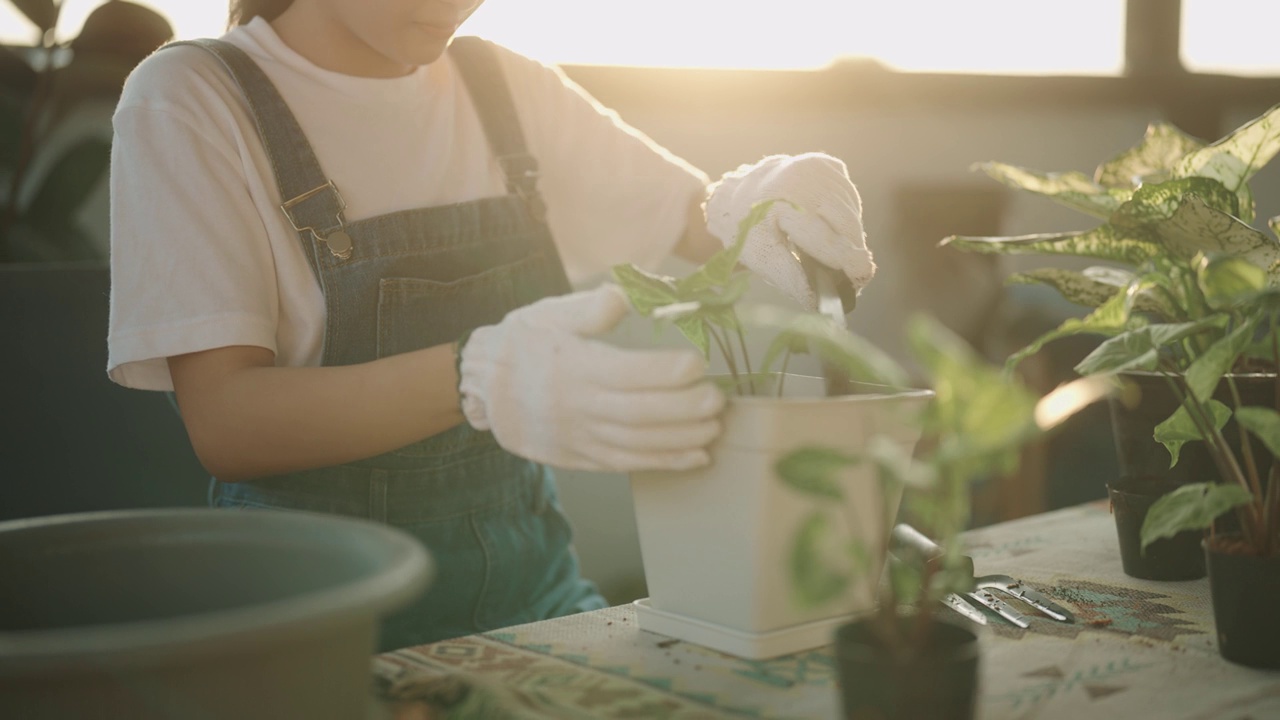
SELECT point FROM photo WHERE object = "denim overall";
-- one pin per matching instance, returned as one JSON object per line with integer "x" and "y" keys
{"x": 410, "y": 280}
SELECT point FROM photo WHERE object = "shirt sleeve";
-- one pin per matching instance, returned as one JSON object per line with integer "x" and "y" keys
{"x": 613, "y": 194}
{"x": 189, "y": 268}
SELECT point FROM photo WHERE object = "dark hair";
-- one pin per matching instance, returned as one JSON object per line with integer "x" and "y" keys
{"x": 242, "y": 11}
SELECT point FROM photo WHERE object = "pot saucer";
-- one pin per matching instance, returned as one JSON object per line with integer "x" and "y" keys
{"x": 751, "y": 646}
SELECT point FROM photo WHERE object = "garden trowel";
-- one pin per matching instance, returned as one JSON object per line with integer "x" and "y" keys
{"x": 908, "y": 537}
{"x": 825, "y": 282}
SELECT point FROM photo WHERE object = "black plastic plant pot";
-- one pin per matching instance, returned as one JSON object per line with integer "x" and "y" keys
{"x": 1244, "y": 589}
{"x": 1177, "y": 558}
{"x": 939, "y": 682}
{"x": 1139, "y": 455}
{"x": 197, "y": 613}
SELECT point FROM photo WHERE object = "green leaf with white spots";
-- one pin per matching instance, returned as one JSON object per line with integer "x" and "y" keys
{"x": 1104, "y": 242}
{"x": 1159, "y": 201}
{"x": 1197, "y": 228}
{"x": 1109, "y": 318}
{"x": 1190, "y": 507}
{"x": 1236, "y": 158}
{"x": 1096, "y": 285}
{"x": 1264, "y": 423}
{"x": 1179, "y": 429}
{"x": 1073, "y": 189}
{"x": 1154, "y": 158}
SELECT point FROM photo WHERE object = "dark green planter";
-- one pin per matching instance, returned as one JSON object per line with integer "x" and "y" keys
{"x": 196, "y": 613}
{"x": 1140, "y": 456}
{"x": 940, "y": 683}
{"x": 1177, "y": 558}
{"x": 1245, "y": 590}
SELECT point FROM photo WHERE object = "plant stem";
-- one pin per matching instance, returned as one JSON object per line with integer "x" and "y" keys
{"x": 1246, "y": 446}
{"x": 727, "y": 352}
{"x": 1223, "y": 456}
{"x": 782, "y": 375}
{"x": 746, "y": 357}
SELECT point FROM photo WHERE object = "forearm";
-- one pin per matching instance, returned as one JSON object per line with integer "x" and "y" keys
{"x": 697, "y": 244}
{"x": 250, "y": 419}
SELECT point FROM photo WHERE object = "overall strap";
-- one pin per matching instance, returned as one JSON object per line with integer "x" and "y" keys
{"x": 487, "y": 85}
{"x": 310, "y": 200}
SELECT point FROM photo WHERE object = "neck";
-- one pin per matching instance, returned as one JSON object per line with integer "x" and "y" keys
{"x": 320, "y": 38}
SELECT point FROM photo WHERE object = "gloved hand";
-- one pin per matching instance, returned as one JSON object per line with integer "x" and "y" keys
{"x": 550, "y": 394}
{"x": 818, "y": 210}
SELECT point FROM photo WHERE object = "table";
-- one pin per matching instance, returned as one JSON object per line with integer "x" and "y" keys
{"x": 1138, "y": 649}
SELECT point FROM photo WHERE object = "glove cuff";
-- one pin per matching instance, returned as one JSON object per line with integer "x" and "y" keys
{"x": 470, "y": 402}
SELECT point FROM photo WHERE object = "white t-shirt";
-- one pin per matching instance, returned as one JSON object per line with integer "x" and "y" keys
{"x": 202, "y": 257}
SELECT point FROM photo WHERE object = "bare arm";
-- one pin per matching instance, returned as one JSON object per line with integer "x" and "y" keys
{"x": 697, "y": 244}
{"x": 247, "y": 418}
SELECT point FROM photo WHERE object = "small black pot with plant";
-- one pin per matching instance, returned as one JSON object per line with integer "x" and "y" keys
{"x": 911, "y": 658}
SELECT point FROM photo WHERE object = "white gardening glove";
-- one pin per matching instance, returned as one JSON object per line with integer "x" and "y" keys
{"x": 551, "y": 395}
{"x": 818, "y": 210}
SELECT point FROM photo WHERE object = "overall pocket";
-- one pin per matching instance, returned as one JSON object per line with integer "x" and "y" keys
{"x": 414, "y": 313}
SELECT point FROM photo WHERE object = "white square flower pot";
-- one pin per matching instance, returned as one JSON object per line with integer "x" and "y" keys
{"x": 716, "y": 542}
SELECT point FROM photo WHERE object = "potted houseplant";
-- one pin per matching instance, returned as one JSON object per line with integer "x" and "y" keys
{"x": 1244, "y": 560}
{"x": 713, "y": 540}
{"x": 908, "y": 659}
{"x": 1176, "y": 236}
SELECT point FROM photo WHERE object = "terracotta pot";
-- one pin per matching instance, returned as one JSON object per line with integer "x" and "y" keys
{"x": 716, "y": 542}
{"x": 940, "y": 682}
{"x": 1245, "y": 590}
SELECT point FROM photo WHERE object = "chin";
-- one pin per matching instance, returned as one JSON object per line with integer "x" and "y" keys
{"x": 424, "y": 53}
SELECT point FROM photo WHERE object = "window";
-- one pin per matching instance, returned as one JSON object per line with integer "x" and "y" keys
{"x": 1230, "y": 36}
{"x": 991, "y": 36}
{"x": 996, "y": 36}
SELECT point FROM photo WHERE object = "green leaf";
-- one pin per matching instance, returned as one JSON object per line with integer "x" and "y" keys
{"x": 1207, "y": 370}
{"x": 812, "y": 471}
{"x": 1104, "y": 242}
{"x": 718, "y": 270}
{"x": 1180, "y": 429}
{"x": 977, "y": 411}
{"x": 1236, "y": 158}
{"x": 1154, "y": 158}
{"x": 1138, "y": 349}
{"x": 1073, "y": 189}
{"x": 1155, "y": 202}
{"x": 1190, "y": 507}
{"x": 814, "y": 580}
{"x": 645, "y": 290}
{"x": 1264, "y": 423}
{"x": 1228, "y": 281}
{"x": 695, "y": 329}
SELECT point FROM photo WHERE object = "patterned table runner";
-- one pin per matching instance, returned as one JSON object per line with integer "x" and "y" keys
{"x": 1138, "y": 649}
